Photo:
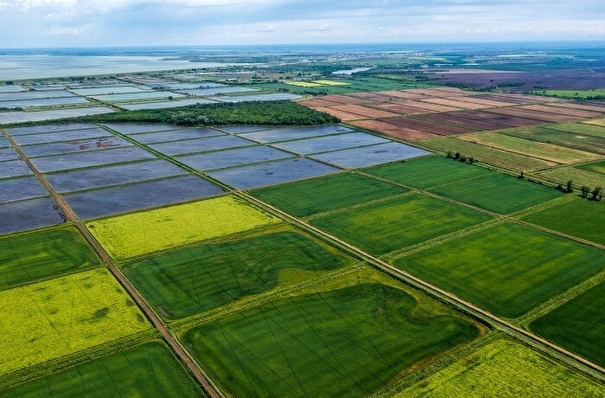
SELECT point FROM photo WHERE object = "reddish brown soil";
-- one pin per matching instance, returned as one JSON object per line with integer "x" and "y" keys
{"x": 429, "y": 107}
{"x": 504, "y": 120}
{"x": 575, "y": 105}
{"x": 532, "y": 114}
{"x": 394, "y": 131}
{"x": 422, "y": 125}
{"x": 579, "y": 113}
{"x": 402, "y": 94}
{"x": 401, "y": 109}
{"x": 479, "y": 100}
{"x": 364, "y": 111}
{"x": 514, "y": 98}
{"x": 455, "y": 102}
{"x": 374, "y": 97}
{"x": 342, "y": 99}
{"x": 344, "y": 116}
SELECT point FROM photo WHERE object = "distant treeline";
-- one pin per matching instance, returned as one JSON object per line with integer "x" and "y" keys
{"x": 250, "y": 113}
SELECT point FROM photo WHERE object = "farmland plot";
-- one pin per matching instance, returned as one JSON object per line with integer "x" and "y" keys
{"x": 137, "y": 234}
{"x": 29, "y": 214}
{"x": 508, "y": 269}
{"x": 371, "y": 155}
{"x": 193, "y": 280}
{"x": 55, "y": 318}
{"x": 37, "y": 255}
{"x": 347, "y": 341}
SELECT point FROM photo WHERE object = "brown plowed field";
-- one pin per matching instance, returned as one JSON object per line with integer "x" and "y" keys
{"x": 394, "y": 131}
{"x": 429, "y": 107}
{"x": 484, "y": 101}
{"x": 579, "y": 113}
{"x": 514, "y": 98}
{"x": 437, "y": 92}
{"x": 402, "y": 94}
{"x": 398, "y": 108}
{"x": 469, "y": 124}
{"x": 373, "y": 97}
{"x": 318, "y": 103}
{"x": 504, "y": 120}
{"x": 532, "y": 114}
{"x": 364, "y": 111}
{"x": 423, "y": 125}
{"x": 344, "y": 116}
{"x": 342, "y": 99}
{"x": 574, "y": 105}
{"x": 454, "y": 102}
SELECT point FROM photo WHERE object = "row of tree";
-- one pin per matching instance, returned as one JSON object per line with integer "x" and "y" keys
{"x": 595, "y": 193}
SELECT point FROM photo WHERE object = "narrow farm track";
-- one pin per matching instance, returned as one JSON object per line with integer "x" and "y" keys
{"x": 466, "y": 307}
{"x": 176, "y": 347}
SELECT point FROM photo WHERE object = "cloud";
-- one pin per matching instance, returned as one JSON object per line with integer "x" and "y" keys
{"x": 154, "y": 22}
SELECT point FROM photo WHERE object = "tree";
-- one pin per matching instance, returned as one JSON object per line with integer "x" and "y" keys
{"x": 569, "y": 186}
{"x": 597, "y": 193}
{"x": 584, "y": 191}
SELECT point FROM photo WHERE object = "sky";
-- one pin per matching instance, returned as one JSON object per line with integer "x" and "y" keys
{"x": 118, "y": 23}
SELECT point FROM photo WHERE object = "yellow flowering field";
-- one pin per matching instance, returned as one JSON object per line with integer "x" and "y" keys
{"x": 303, "y": 84}
{"x": 330, "y": 83}
{"x": 51, "y": 319}
{"x": 137, "y": 234}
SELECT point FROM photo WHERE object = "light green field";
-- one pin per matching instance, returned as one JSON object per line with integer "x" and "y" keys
{"x": 148, "y": 370}
{"x": 426, "y": 172}
{"x": 37, "y": 255}
{"x": 575, "y": 94}
{"x": 137, "y": 234}
{"x": 317, "y": 195}
{"x": 484, "y": 154}
{"x": 202, "y": 278}
{"x": 54, "y": 318}
{"x": 505, "y": 369}
{"x": 598, "y": 167}
{"x": 580, "y": 177}
{"x": 579, "y": 217}
{"x": 498, "y": 192}
{"x": 562, "y": 136}
{"x": 508, "y": 269}
{"x": 540, "y": 150}
{"x": 578, "y": 325}
{"x": 347, "y": 341}
{"x": 380, "y": 228}
{"x": 593, "y": 128}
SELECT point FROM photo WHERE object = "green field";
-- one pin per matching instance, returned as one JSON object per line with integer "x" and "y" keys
{"x": 579, "y": 217}
{"x": 31, "y": 256}
{"x": 497, "y": 192}
{"x": 148, "y": 370}
{"x": 351, "y": 85}
{"x": 534, "y": 149}
{"x": 575, "y": 94}
{"x": 380, "y": 228}
{"x": 55, "y": 318}
{"x": 345, "y": 342}
{"x": 505, "y": 369}
{"x": 137, "y": 234}
{"x": 484, "y": 154}
{"x": 579, "y": 177}
{"x": 598, "y": 167}
{"x": 508, "y": 269}
{"x": 193, "y": 280}
{"x": 592, "y": 128}
{"x": 426, "y": 172}
{"x": 317, "y": 195}
{"x": 560, "y": 137}
{"x": 578, "y": 325}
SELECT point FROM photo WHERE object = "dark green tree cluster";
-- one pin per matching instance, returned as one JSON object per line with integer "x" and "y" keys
{"x": 460, "y": 157}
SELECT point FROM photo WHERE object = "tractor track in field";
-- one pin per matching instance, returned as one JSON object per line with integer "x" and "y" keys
{"x": 177, "y": 348}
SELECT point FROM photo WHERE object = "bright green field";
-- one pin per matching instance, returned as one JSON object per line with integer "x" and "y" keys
{"x": 587, "y": 128}
{"x": 580, "y": 177}
{"x": 36, "y": 255}
{"x": 149, "y": 370}
{"x": 598, "y": 167}
{"x": 579, "y": 217}
{"x": 193, "y": 280}
{"x": 383, "y": 227}
{"x": 54, "y": 318}
{"x": 506, "y": 160}
{"x": 500, "y": 193}
{"x": 505, "y": 369}
{"x": 136, "y": 234}
{"x": 578, "y": 325}
{"x": 559, "y": 137}
{"x": 317, "y": 195}
{"x": 427, "y": 171}
{"x": 507, "y": 269}
{"x": 345, "y": 342}
{"x": 573, "y": 94}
